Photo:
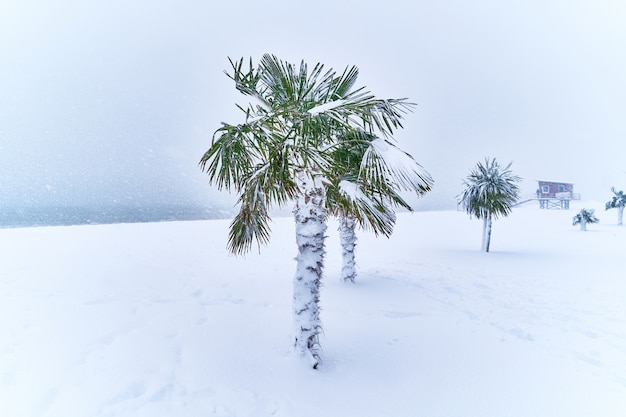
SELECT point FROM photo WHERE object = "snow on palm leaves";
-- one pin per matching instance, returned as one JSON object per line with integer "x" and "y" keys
{"x": 584, "y": 217}
{"x": 490, "y": 191}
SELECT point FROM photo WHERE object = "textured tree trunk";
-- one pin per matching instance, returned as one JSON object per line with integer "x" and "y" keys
{"x": 620, "y": 215}
{"x": 483, "y": 242}
{"x": 487, "y": 232}
{"x": 310, "y": 217}
{"x": 347, "y": 237}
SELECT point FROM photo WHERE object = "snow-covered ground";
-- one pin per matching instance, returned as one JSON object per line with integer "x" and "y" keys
{"x": 157, "y": 319}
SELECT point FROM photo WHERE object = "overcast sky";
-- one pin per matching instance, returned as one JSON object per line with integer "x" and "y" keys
{"x": 114, "y": 102}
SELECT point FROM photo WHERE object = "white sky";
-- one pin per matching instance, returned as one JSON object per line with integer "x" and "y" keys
{"x": 104, "y": 102}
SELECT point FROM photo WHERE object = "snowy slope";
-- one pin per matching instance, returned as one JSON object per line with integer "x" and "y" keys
{"x": 158, "y": 319}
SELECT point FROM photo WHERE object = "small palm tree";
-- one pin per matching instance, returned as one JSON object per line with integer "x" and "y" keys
{"x": 368, "y": 192}
{"x": 284, "y": 151}
{"x": 490, "y": 191}
{"x": 619, "y": 202}
{"x": 585, "y": 217}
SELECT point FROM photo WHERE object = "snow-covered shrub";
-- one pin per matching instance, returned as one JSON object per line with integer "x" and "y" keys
{"x": 585, "y": 217}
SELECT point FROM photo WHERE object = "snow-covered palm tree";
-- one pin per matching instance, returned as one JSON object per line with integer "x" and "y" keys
{"x": 619, "y": 202}
{"x": 490, "y": 191}
{"x": 368, "y": 191}
{"x": 284, "y": 151}
{"x": 585, "y": 217}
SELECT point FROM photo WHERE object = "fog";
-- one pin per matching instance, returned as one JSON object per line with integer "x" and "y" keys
{"x": 113, "y": 103}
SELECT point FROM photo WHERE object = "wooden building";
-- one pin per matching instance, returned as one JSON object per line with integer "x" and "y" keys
{"x": 553, "y": 194}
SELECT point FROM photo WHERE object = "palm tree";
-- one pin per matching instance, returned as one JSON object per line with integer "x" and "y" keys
{"x": 618, "y": 201}
{"x": 490, "y": 192}
{"x": 368, "y": 197}
{"x": 285, "y": 151}
{"x": 585, "y": 217}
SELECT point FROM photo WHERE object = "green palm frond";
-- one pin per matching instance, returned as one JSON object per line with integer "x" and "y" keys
{"x": 347, "y": 198}
{"x": 384, "y": 163}
{"x": 251, "y": 223}
{"x": 618, "y": 200}
{"x": 230, "y": 156}
{"x": 246, "y": 82}
{"x": 342, "y": 86}
{"x": 376, "y": 218}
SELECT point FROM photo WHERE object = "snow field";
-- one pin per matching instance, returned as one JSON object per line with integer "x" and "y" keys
{"x": 158, "y": 319}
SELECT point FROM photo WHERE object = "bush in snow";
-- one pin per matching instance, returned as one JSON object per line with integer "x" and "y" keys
{"x": 585, "y": 217}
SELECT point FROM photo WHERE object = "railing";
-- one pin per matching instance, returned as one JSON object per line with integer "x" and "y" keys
{"x": 526, "y": 197}
{"x": 557, "y": 196}
{"x": 568, "y": 195}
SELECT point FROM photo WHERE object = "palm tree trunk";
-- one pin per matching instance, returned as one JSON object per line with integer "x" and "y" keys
{"x": 484, "y": 238}
{"x": 487, "y": 232}
{"x": 483, "y": 244}
{"x": 347, "y": 237}
{"x": 310, "y": 217}
{"x": 620, "y": 215}
{"x": 583, "y": 224}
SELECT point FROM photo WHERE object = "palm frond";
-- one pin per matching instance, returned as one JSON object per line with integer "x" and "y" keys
{"x": 348, "y": 198}
{"x": 247, "y": 81}
{"x": 251, "y": 223}
{"x": 383, "y": 162}
{"x": 618, "y": 200}
{"x": 229, "y": 158}
{"x": 343, "y": 85}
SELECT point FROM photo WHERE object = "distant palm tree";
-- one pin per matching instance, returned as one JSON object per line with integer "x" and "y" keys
{"x": 585, "y": 217}
{"x": 490, "y": 191}
{"x": 367, "y": 191}
{"x": 619, "y": 202}
{"x": 285, "y": 151}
